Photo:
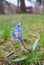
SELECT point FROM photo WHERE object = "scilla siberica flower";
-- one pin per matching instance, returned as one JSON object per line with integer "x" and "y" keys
{"x": 16, "y": 31}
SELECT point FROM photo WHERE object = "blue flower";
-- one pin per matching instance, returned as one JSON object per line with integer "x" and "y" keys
{"x": 16, "y": 32}
{"x": 18, "y": 28}
{"x": 19, "y": 37}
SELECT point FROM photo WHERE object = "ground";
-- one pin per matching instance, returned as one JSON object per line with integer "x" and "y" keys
{"x": 33, "y": 28}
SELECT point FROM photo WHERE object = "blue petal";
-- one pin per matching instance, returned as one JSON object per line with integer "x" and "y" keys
{"x": 18, "y": 28}
{"x": 19, "y": 37}
{"x": 13, "y": 34}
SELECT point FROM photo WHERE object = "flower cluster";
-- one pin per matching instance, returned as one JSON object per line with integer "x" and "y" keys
{"x": 16, "y": 31}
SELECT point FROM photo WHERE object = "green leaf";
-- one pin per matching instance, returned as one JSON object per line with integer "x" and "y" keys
{"x": 35, "y": 44}
{"x": 19, "y": 59}
{"x": 39, "y": 62}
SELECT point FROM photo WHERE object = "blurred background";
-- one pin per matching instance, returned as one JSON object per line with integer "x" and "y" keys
{"x": 21, "y": 6}
{"x": 32, "y": 26}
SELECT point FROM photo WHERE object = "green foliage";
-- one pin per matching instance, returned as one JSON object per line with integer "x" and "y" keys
{"x": 6, "y": 33}
{"x": 19, "y": 59}
{"x": 33, "y": 26}
{"x": 31, "y": 57}
{"x": 35, "y": 44}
